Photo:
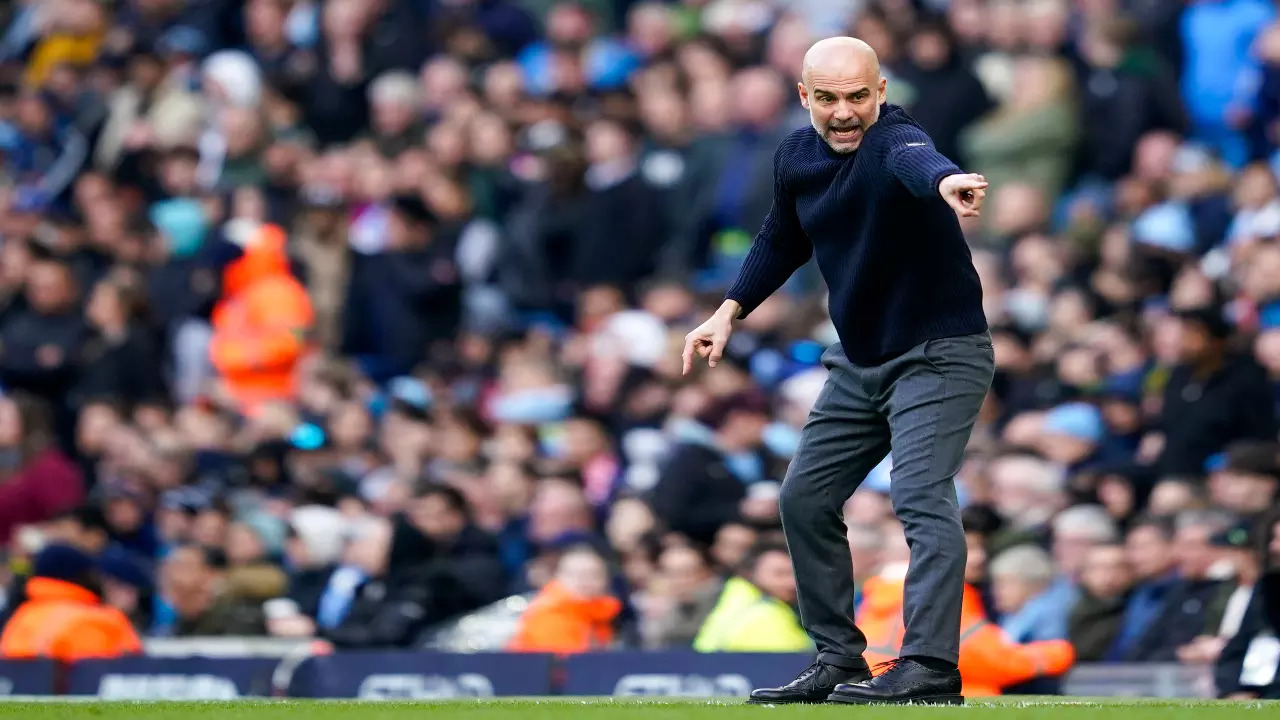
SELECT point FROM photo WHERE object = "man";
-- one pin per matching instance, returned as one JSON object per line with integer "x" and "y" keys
{"x": 1213, "y": 398}
{"x": 865, "y": 191}
{"x": 63, "y": 616}
{"x": 1148, "y": 549}
{"x": 754, "y": 611}
{"x": 1021, "y": 580}
{"x": 1094, "y": 622}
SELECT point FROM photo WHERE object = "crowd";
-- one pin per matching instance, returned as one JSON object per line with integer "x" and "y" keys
{"x": 347, "y": 318}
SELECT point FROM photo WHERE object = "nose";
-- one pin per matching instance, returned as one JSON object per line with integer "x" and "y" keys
{"x": 844, "y": 111}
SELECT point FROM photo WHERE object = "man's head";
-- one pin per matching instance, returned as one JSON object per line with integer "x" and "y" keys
{"x": 84, "y": 528}
{"x": 51, "y": 288}
{"x": 841, "y": 87}
{"x": 1105, "y": 572}
{"x": 559, "y": 506}
{"x": 1191, "y": 547}
{"x": 1076, "y": 531}
{"x": 583, "y": 572}
{"x": 440, "y": 512}
{"x": 768, "y": 567}
{"x": 1018, "y": 575}
{"x": 1248, "y": 483}
{"x": 1149, "y": 548}
{"x": 686, "y": 570}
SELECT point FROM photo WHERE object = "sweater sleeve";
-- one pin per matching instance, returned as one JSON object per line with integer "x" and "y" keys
{"x": 914, "y": 160}
{"x": 780, "y": 248}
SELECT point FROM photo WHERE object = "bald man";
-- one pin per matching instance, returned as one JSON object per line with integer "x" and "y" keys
{"x": 865, "y": 191}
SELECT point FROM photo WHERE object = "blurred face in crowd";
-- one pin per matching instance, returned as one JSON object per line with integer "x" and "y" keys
{"x": 583, "y": 573}
{"x": 371, "y": 548}
{"x": 49, "y": 288}
{"x": 1106, "y": 573}
{"x": 1011, "y": 592}
{"x": 187, "y": 581}
{"x": 242, "y": 127}
{"x": 264, "y": 23}
{"x": 1196, "y": 342}
{"x": 558, "y": 507}
{"x": 865, "y": 550}
{"x": 1192, "y": 550}
{"x": 685, "y": 572}
{"x": 731, "y": 544}
{"x": 773, "y": 574}
{"x": 512, "y": 487}
{"x": 1150, "y": 554}
{"x": 178, "y": 174}
{"x": 243, "y": 545}
{"x": 92, "y": 540}
{"x": 434, "y": 517}
{"x": 1242, "y": 492}
{"x": 629, "y": 519}
{"x": 975, "y": 565}
{"x": 842, "y": 89}
{"x": 210, "y": 527}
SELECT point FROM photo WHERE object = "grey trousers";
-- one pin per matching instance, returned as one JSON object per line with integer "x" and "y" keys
{"x": 920, "y": 407}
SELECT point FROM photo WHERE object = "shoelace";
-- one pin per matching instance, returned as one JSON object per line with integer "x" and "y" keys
{"x": 809, "y": 672}
{"x": 886, "y": 667}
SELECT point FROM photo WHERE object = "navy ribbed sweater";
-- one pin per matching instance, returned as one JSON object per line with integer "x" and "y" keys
{"x": 890, "y": 248}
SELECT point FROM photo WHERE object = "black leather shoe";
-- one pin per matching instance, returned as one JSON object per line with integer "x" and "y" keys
{"x": 814, "y": 685}
{"x": 903, "y": 681}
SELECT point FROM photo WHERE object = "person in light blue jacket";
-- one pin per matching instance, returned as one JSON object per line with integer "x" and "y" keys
{"x": 1221, "y": 73}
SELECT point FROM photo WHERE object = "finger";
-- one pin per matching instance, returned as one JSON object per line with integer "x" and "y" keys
{"x": 717, "y": 350}
{"x": 688, "y": 355}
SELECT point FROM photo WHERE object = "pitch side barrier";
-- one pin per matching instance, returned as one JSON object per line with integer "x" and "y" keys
{"x": 432, "y": 675}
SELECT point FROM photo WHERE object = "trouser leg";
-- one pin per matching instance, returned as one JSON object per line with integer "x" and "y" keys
{"x": 932, "y": 405}
{"x": 843, "y": 439}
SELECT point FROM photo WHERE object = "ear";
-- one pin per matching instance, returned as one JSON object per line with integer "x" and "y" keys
{"x": 884, "y": 83}
{"x": 804, "y": 95}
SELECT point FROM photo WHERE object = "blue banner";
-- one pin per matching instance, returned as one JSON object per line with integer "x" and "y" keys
{"x": 193, "y": 678}
{"x": 26, "y": 677}
{"x": 679, "y": 674}
{"x": 418, "y": 675}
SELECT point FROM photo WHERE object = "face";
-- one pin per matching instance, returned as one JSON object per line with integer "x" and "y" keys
{"x": 628, "y": 521}
{"x": 1106, "y": 571}
{"x": 243, "y": 545}
{"x": 584, "y": 574}
{"x": 684, "y": 572}
{"x": 557, "y": 507}
{"x": 773, "y": 574}
{"x": 732, "y": 543}
{"x": 1010, "y": 593}
{"x": 843, "y": 102}
{"x": 1070, "y": 549}
{"x": 1148, "y": 552}
{"x": 49, "y": 287}
{"x": 435, "y": 518}
{"x": 1192, "y": 550}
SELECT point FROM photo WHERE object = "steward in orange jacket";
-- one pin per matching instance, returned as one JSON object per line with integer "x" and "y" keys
{"x": 63, "y": 619}
{"x": 573, "y": 613}
{"x": 989, "y": 661}
{"x": 262, "y": 324}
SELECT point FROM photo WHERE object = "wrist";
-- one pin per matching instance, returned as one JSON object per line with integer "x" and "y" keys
{"x": 729, "y": 309}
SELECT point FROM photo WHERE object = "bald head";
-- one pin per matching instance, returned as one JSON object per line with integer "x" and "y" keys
{"x": 841, "y": 87}
{"x": 840, "y": 56}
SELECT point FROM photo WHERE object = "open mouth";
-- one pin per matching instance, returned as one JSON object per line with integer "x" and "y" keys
{"x": 845, "y": 133}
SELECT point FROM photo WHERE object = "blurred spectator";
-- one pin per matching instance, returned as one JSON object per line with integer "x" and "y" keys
{"x": 64, "y": 617}
{"x": 40, "y": 481}
{"x": 261, "y": 324}
{"x": 705, "y": 477}
{"x": 949, "y": 96}
{"x": 197, "y": 599}
{"x": 572, "y": 613}
{"x": 1247, "y": 666}
{"x": 989, "y": 659}
{"x": 1020, "y": 580}
{"x": 689, "y": 592}
{"x": 1237, "y": 563}
{"x": 1095, "y": 621}
{"x": 756, "y": 609}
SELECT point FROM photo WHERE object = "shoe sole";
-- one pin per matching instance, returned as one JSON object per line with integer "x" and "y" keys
{"x": 754, "y": 701}
{"x": 922, "y": 700}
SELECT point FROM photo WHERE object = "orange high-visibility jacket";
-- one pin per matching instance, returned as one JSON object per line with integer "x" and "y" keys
{"x": 262, "y": 324}
{"x": 63, "y": 621}
{"x": 558, "y": 621}
{"x": 989, "y": 661}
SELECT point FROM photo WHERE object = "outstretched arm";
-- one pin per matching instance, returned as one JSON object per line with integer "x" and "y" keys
{"x": 926, "y": 172}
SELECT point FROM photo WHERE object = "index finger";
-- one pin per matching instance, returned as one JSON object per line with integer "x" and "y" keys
{"x": 688, "y": 355}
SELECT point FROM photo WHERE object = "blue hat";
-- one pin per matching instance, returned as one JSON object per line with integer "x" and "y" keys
{"x": 184, "y": 40}
{"x": 62, "y": 562}
{"x": 1167, "y": 226}
{"x": 119, "y": 565}
{"x": 411, "y": 391}
{"x": 1078, "y": 420}
{"x": 183, "y": 223}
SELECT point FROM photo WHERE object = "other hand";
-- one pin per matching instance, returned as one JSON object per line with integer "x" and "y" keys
{"x": 708, "y": 340}
{"x": 964, "y": 193}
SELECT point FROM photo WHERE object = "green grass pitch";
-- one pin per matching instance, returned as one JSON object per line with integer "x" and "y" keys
{"x": 633, "y": 709}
